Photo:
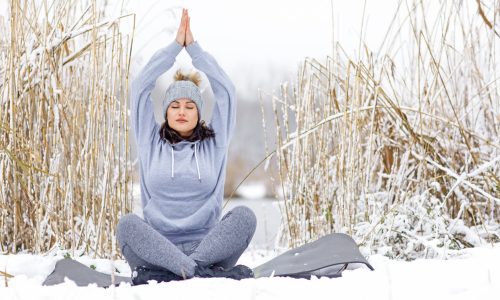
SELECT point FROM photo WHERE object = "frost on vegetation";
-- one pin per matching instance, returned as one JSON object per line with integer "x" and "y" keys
{"x": 65, "y": 153}
{"x": 408, "y": 165}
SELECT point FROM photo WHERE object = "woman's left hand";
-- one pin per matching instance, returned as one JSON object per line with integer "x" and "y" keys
{"x": 189, "y": 34}
{"x": 181, "y": 32}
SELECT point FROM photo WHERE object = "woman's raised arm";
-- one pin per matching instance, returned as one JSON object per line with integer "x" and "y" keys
{"x": 224, "y": 114}
{"x": 141, "y": 114}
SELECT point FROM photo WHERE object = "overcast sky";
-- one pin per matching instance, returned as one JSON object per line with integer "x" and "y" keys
{"x": 257, "y": 41}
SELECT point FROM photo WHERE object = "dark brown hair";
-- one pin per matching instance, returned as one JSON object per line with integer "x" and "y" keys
{"x": 200, "y": 132}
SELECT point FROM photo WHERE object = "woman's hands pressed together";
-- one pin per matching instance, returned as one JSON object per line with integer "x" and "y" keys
{"x": 184, "y": 35}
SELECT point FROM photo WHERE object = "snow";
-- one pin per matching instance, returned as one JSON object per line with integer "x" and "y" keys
{"x": 254, "y": 190}
{"x": 471, "y": 274}
{"x": 269, "y": 220}
{"x": 474, "y": 274}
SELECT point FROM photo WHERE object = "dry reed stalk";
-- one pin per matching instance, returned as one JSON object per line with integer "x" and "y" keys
{"x": 64, "y": 154}
{"x": 397, "y": 155}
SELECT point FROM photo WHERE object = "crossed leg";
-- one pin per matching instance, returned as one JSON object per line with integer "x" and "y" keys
{"x": 223, "y": 245}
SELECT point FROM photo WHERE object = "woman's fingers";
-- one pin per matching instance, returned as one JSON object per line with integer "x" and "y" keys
{"x": 189, "y": 34}
{"x": 184, "y": 35}
{"x": 181, "y": 32}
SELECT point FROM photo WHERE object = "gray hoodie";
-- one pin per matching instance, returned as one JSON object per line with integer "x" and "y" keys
{"x": 182, "y": 184}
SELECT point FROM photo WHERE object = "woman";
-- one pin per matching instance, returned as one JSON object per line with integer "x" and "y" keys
{"x": 182, "y": 172}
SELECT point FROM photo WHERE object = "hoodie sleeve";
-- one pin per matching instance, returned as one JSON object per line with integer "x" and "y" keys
{"x": 142, "y": 114}
{"x": 224, "y": 114}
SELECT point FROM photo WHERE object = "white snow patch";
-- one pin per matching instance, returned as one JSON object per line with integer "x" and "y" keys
{"x": 252, "y": 191}
{"x": 475, "y": 274}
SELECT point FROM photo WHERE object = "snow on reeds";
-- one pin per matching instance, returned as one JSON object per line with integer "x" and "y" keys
{"x": 401, "y": 147}
{"x": 64, "y": 155}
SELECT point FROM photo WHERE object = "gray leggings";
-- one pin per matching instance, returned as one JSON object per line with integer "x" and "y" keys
{"x": 223, "y": 245}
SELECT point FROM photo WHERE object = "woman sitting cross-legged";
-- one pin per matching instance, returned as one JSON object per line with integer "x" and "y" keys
{"x": 182, "y": 172}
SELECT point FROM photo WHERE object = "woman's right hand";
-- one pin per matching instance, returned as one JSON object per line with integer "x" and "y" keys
{"x": 181, "y": 32}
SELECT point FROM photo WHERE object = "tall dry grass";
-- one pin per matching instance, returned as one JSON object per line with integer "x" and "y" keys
{"x": 401, "y": 147}
{"x": 64, "y": 154}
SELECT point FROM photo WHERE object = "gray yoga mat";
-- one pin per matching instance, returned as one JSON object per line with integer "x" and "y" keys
{"x": 328, "y": 256}
{"x": 81, "y": 275}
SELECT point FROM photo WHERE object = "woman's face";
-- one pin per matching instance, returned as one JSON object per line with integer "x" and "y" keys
{"x": 182, "y": 116}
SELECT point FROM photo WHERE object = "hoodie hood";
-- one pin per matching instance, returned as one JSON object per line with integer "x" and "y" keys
{"x": 181, "y": 146}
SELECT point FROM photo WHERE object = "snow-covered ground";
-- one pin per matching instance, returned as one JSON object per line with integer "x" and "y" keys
{"x": 475, "y": 274}
{"x": 471, "y": 274}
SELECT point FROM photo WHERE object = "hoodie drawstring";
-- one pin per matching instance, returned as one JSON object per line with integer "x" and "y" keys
{"x": 197, "y": 166}
{"x": 195, "y": 157}
{"x": 172, "y": 148}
